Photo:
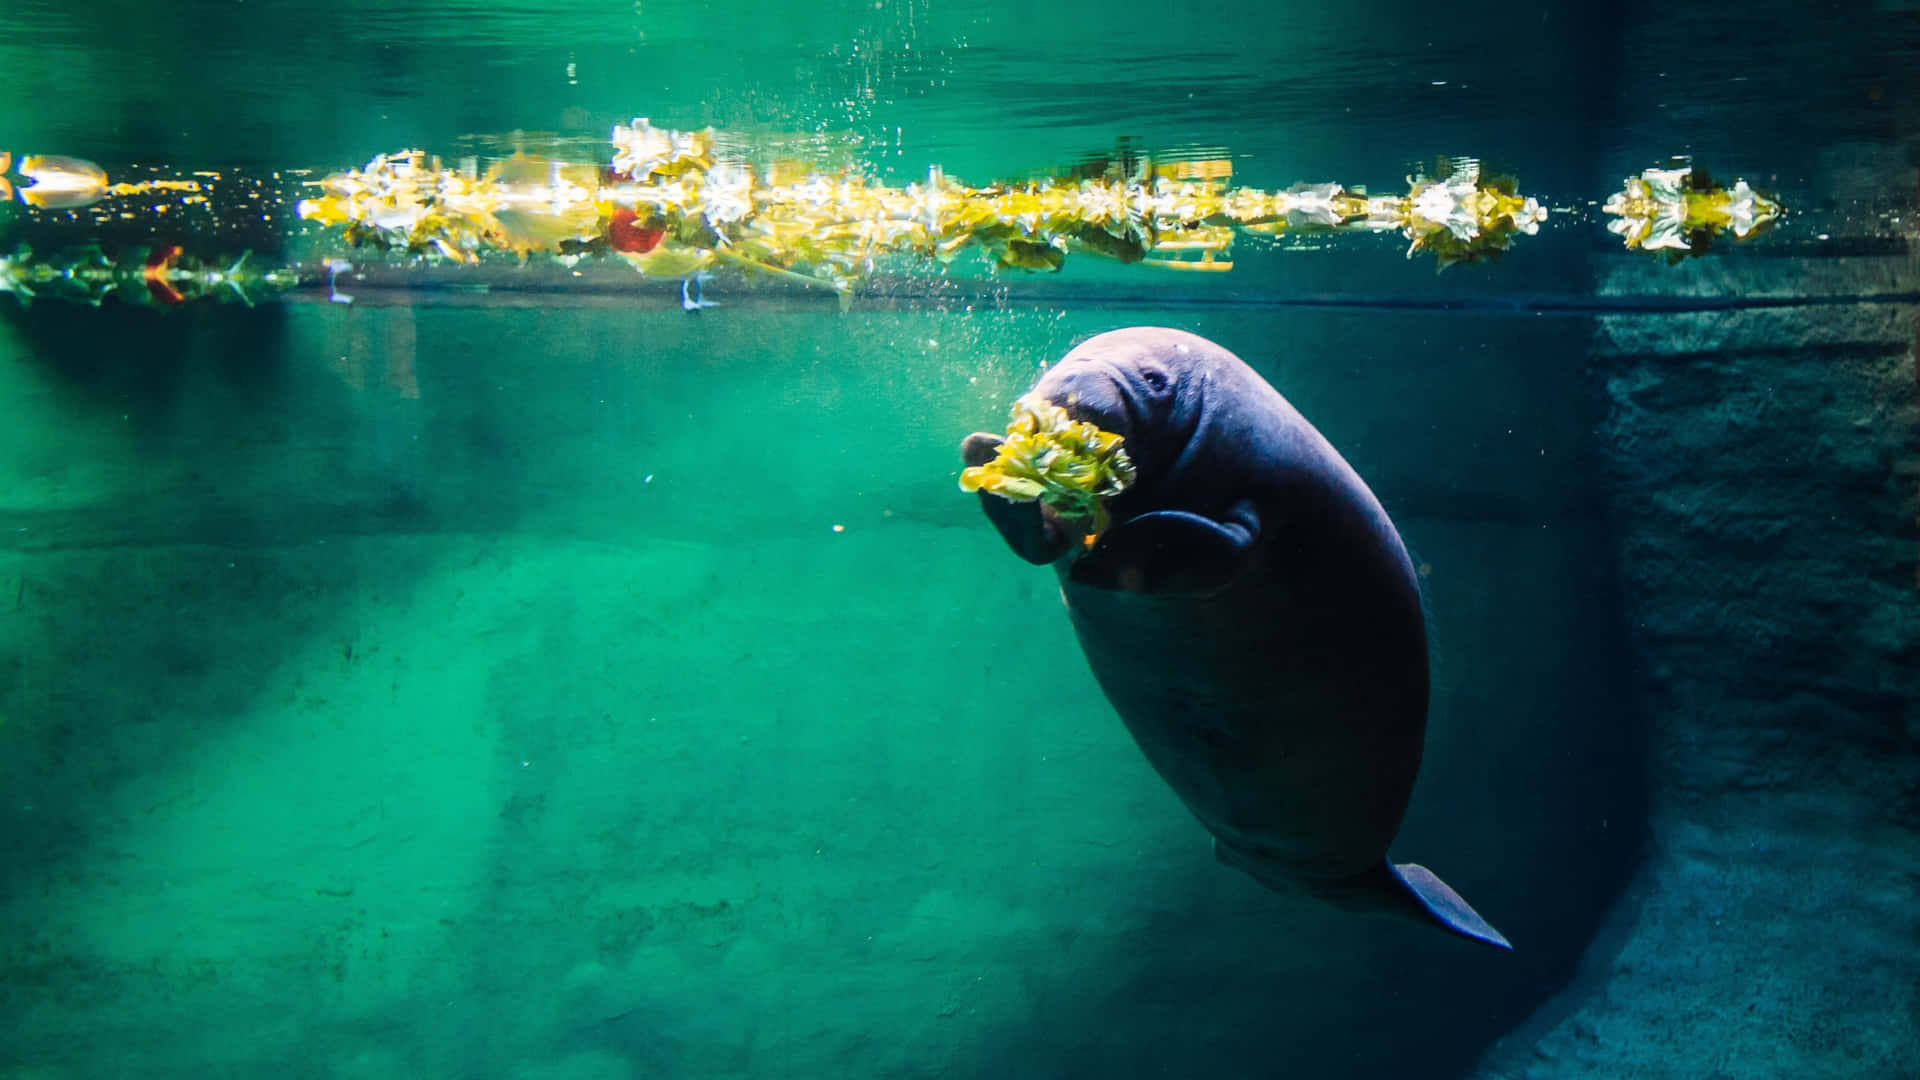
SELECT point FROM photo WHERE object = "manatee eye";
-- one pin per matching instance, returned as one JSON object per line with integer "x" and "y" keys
{"x": 1155, "y": 379}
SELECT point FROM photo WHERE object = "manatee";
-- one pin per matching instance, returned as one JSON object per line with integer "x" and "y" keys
{"x": 1252, "y": 615}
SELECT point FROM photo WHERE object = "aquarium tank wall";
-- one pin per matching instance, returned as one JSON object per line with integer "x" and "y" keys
{"x": 507, "y": 508}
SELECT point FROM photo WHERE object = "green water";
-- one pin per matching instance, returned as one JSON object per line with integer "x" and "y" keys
{"x": 643, "y": 696}
{"x": 555, "y": 692}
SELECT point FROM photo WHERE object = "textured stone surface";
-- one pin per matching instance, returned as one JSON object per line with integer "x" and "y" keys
{"x": 1764, "y": 468}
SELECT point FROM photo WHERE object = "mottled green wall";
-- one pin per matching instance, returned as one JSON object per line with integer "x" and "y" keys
{"x": 375, "y": 700}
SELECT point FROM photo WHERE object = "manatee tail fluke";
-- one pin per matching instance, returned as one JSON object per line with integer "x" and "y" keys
{"x": 1444, "y": 906}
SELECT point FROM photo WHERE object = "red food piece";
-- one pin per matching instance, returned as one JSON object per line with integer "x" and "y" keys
{"x": 625, "y": 233}
{"x": 154, "y": 273}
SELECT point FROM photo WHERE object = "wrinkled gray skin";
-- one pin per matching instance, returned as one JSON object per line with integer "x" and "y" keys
{"x": 1253, "y": 617}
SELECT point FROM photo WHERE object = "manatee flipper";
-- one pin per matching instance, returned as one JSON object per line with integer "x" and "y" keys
{"x": 1424, "y": 890}
{"x": 1402, "y": 890}
{"x": 1023, "y": 525}
{"x": 1171, "y": 552}
{"x": 980, "y": 447}
{"x": 1409, "y": 891}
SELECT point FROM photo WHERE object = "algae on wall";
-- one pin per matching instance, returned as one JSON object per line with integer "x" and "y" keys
{"x": 1764, "y": 473}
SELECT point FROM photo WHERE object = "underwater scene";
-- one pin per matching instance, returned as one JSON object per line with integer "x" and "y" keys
{"x": 618, "y": 539}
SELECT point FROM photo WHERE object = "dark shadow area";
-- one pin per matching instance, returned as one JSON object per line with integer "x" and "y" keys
{"x": 140, "y": 358}
{"x": 167, "y": 561}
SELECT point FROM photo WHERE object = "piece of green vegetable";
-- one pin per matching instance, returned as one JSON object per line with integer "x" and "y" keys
{"x": 1070, "y": 465}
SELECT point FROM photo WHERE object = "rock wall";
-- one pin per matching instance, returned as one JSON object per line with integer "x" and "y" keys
{"x": 1763, "y": 467}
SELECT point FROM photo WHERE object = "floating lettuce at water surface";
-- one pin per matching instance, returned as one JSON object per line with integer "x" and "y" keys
{"x": 1070, "y": 465}
{"x": 1682, "y": 211}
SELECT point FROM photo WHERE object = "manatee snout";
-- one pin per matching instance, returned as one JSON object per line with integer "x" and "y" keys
{"x": 1032, "y": 529}
{"x": 1094, "y": 394}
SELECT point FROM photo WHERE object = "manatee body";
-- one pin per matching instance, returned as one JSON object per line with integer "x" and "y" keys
{"x": 1253, "y": 617}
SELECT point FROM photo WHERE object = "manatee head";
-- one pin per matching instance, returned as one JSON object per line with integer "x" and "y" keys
{"x": 1143, "y": 384}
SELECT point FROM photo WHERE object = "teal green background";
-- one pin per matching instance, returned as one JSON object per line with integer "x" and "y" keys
{"x": 502, "y": 691}
{"x": 645, "y": 696}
